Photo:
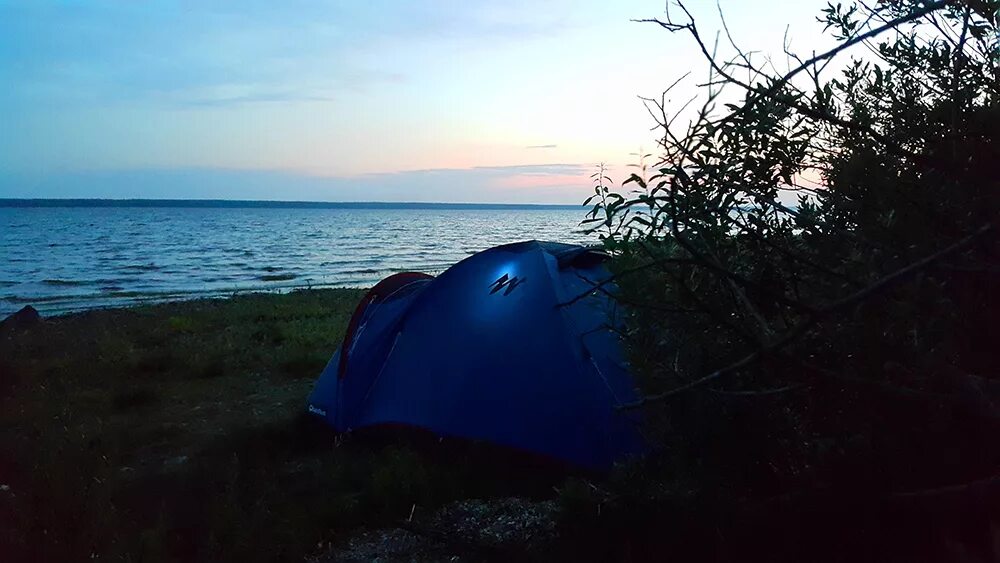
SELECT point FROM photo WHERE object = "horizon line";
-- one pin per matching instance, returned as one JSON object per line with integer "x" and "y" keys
{"x": 232, "y": 203}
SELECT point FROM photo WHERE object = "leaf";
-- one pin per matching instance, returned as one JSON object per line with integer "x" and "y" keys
{"x": 633, "y": 178}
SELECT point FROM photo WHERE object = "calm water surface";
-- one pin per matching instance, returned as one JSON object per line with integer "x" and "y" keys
{"x": 66, "y": 259}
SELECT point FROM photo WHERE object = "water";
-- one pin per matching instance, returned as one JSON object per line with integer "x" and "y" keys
{"x": 67, "y": 259}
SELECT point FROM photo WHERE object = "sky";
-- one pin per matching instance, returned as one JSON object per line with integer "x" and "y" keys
{"x": 441, "y": 101}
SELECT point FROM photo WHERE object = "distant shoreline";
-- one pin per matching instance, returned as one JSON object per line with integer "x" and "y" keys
{"x": 268, "y": 204}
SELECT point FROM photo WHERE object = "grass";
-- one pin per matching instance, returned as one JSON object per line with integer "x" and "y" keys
{"x": 176, "y": 432}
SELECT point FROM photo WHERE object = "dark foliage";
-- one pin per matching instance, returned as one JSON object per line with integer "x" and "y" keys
{"x": 813, "y": 271}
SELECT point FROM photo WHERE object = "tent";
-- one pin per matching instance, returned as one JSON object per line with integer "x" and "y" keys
{"x": 513, "y": 345}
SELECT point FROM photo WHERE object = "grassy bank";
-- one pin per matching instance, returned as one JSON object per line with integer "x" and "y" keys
{"x": 175, "y": 432}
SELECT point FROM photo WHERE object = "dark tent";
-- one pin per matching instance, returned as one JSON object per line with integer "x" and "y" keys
{"x": 499, "y": 348}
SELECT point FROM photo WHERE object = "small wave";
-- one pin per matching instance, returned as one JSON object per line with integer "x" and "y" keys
{"x": 276, "y": 277}
{"x": 57, "y": 282}
{"x": 42, "y": 298}
{"x": 126, "y": 294}
{"x": 220, "y": 279}
{"x": 151, "y": 267}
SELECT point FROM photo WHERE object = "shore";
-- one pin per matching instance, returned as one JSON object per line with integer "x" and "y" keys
{"x": 176, "y": 432}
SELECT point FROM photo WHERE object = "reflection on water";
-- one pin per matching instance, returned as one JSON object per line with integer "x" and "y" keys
{"x": 65, "y": 259}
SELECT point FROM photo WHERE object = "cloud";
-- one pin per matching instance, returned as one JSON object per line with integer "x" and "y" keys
{"x": 167, "y": 55}
{"x": 541, "y": 146}
{"x": 555, "y": 169}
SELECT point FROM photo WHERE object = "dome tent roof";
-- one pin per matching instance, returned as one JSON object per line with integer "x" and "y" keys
{"x": 495, "y": 348}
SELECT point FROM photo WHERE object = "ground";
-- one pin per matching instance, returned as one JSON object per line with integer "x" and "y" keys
{"x": 176, "y": 432}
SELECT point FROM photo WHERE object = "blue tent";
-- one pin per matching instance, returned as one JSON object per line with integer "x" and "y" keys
{"x": 500, "y": 347}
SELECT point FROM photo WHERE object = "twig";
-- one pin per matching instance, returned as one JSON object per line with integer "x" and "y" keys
{"x": 981, "y": 408}
{"x": 700, "y": 260}
{"x": 980, "y": 486}
{"x": 638, "y": 304}
{"x": 812, "y": 320}
{"x": 611, "y": 279}
{"x": 761, "y": 392}
{"x": 779, "y": 82}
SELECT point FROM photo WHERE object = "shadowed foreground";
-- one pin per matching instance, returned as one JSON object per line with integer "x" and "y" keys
{"x": 175, "y": 432}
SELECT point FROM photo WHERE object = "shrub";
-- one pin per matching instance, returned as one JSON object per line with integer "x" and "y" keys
{"x": 811, "y": 269}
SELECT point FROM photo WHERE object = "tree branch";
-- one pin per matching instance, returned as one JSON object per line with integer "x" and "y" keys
{"x": 771, "y": 91}
{"x": 803, "y": 327}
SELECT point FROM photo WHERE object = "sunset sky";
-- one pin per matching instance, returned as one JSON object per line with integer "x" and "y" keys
{"x": 335, "y": 101}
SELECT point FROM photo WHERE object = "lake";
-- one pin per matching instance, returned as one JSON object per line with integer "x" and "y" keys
{"x": 61, "y": 259}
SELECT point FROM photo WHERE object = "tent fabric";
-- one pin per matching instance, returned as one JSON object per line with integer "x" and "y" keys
{"x": 386, "y": 289}
{"x": 495, "y": 348}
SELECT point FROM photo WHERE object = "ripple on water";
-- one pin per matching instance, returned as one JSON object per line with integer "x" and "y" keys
{"x": 276, "y": 277}
{"x": 67, "y": 283}
{"x": 150, "y": 267}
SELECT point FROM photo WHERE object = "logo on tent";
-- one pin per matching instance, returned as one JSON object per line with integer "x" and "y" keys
{"x": 505, "y": 281}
